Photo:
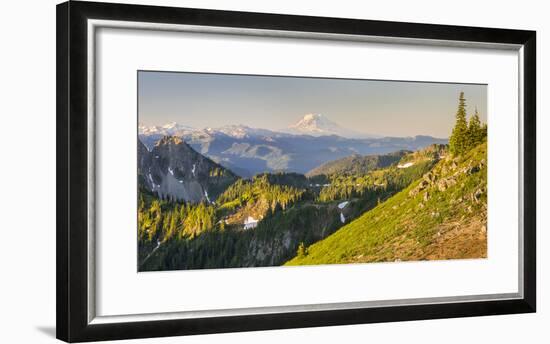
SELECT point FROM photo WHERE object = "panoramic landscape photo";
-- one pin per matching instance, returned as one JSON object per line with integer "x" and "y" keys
{"x": 249, "y": 171}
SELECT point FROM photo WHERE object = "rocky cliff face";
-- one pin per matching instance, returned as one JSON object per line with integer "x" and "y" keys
{"x": 172, "y": 169}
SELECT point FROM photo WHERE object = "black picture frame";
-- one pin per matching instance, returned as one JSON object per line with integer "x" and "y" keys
{"x": 72, "y": 172}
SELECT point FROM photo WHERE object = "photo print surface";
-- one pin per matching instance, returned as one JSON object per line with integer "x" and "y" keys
{"x": 242, "y": 171}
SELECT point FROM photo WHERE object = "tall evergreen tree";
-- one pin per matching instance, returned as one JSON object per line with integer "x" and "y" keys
{"x": 459, "y": 140}
{"x": 475, "y": 130}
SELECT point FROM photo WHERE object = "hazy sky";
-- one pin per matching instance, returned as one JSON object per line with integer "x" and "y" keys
{"x": 389, "y": 108}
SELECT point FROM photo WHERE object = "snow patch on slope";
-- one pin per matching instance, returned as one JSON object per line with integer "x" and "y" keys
{"x": 343, "y": 205}
{"x": 407, "y": 165}
{"x": 250, "y": 222}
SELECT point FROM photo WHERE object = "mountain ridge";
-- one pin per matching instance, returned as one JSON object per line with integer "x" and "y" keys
{"x": 357, "y": 164}
{"x": 173, "y": 169}
{"x": 249, "y": 151}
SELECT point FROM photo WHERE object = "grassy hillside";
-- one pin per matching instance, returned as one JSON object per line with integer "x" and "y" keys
{"x": 440, "y": 216}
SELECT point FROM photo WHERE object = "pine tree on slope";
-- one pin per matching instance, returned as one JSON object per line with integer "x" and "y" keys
{"x": 459, "y": 141}
{"x": 475, "y": 130}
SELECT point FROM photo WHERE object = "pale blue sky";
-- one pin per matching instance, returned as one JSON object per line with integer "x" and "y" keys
{"x": 389, "y": 108}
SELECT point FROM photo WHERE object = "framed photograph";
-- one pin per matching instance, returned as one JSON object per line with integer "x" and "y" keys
{"x": 229, "y": 171}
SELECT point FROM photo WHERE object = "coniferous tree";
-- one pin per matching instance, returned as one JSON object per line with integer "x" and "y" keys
{"x": 475, "y": 130}
{"x": 459, "y": 140}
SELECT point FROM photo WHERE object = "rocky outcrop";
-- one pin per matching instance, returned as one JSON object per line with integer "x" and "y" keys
{"x": 446, "y": 176}
{"x": 173, "y": 170}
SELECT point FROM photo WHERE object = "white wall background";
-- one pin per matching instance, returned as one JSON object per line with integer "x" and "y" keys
{"x": 27, "y": 171}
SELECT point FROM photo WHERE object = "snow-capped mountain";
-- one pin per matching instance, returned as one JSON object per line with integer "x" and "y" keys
{"x": 319, "y": 125}
{"x": 242, "y": 131}
{"x": 312, "y": 141}
{"x": 171, "y": 128}
{"x": 310, "y": 124}
{"x": 237, "y": 131}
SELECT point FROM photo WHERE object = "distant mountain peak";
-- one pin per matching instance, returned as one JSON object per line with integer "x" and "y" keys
{"x": 316, "y": 124}
{"x": 170, "y": 125}
{"x": 170, "y": 128}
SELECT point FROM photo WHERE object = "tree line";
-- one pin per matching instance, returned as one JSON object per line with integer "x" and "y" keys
{"x": 161, "y": 220}
{"x": 261, "y": 187}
